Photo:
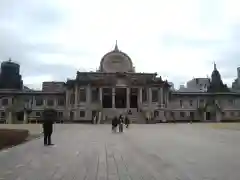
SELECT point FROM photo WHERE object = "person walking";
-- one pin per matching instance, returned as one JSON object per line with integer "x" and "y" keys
{"x": 49, "y": 116}
{"x": 120, "y": 123}
{"x": 127, "y": 121}
{"x": 114, "y": 124}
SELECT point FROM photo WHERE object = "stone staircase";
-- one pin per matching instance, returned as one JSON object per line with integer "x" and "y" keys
{"x": 136, "y": 117}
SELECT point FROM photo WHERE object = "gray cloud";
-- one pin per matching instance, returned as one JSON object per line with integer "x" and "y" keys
{"x": 23, "y": 20}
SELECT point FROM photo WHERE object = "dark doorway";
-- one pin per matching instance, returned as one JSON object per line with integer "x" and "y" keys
{"x": 120, "y": 97}
{"x": 191, "y": 116}
{"x": 134, "y": 98}
{"x": 20, "y": 115}
{"x": 210, "y": 116}
{"x": 107, "y": 98}
{"x": 71, "y": 115}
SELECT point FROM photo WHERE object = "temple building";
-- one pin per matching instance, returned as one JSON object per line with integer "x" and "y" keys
{"x": 116, "y": 88}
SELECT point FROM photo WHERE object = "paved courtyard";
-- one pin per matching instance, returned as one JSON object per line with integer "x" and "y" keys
{"x": 144, "y": 152}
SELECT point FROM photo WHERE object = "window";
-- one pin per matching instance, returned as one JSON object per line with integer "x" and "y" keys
{"x": 60, "y": 114}
{"x": 201, "y": 100}
{"x": 61, "y": 102}
{"x": 182, "y": 114}
{"x": 94, "y": 95}
{"x": 4, "y": 102}
{"x": 144, "y": 95}
{"x": 38, "y": 114}
{"x": 181, "y": 103}
{"x": 50, "y": 102}
{"x": 83, "y": 95}
{"x": 82, "y": 113}
{"x": 232, "y": 113}
{"x": 154, "y": 95}
{"x": 190, "y": 102}
{"x": 39, "y": 101}
{"x": 3, "y": 114}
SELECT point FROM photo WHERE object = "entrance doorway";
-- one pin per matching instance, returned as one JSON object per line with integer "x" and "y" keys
{"x": 191, "y": 116}
{"x": 20, "y": 115}
{"x": 120, "y": 97}
{"x": 210, "y": 116}
{"x": 107, "y": 98}
{"x": 134, "y": 98}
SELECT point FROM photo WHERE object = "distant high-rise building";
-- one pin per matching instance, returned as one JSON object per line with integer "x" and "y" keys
{"x": 10, "y": 77}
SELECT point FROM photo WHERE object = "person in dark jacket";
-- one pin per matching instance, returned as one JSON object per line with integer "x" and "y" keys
{"x": 127, "y": 121}
{"x": 49, "y": 116}
{"x": 114, "y": 124}
{"x": 120, "y": 122}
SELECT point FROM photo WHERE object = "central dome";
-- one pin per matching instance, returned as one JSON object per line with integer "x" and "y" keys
{"x": 116, "y": 61}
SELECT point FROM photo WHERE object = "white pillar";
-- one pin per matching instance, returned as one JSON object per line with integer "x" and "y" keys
{"x": 25, "y": 118}
{"x": 140, "y": 95}
{"x": 128, "y": 96}
{"x": 67, "y": 102}
{"x": 88, "y": 94}
{"x": 161, "y": 96}
{"x": 9, "y": 118}
{"x": 100, "y": 95}
{"x": 113, "y": 97}
{"x": 76, "y": 102}
{"x": 149, "y": 96}
{"x": 166, "y": 96}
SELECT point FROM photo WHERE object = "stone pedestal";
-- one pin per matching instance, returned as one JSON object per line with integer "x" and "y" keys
{"x": 218, "y": 116}
{"x": 162, "y": 116}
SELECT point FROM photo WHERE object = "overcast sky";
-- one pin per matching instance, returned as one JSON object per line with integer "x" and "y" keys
{"x": 52, "y": 39}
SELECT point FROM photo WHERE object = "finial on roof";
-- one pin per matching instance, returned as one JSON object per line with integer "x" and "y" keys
{"x": 215, "y": 66}
{"x": 116, "y": 47}
{"x": 10, "y": 60}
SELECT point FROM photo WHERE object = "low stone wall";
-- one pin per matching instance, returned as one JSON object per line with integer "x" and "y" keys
{"x": 32, "y": 128}
{"x": 12, "y": 137}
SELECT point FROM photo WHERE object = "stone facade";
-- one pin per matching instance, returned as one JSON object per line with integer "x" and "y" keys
{"x": 96, "y": 97}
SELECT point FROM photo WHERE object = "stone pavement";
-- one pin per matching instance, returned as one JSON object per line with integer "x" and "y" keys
{"x": 143, "y": 152}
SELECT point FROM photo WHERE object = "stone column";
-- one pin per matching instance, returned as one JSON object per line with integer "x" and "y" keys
{"x": 139, "y": 98}
{"x": 140, "y": 95}
{"x": 9, "y": 118}
{"x": 76, "y": 102}
{"x": 76, "y": 96}
{"x": 166, "y": 97}
{"x": 128, "y": 97}
{"x": 67, "y": 101}
{"x": 89, "y": 94}
{"x": 100, "y": 95}
{"x": 113, "y": 97}
{"x": 149, "y": 103}
{"x": 25, "y": 118}
{"x": 149, "y": 96}
{"x": 161, "y": 96}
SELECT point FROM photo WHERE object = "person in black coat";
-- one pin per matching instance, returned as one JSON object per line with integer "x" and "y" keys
{"x": 114, "y": 124}
{"x": 120, "y": 122}
{"x": 49, "y": 116}
{"x": 127, "y": 121}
